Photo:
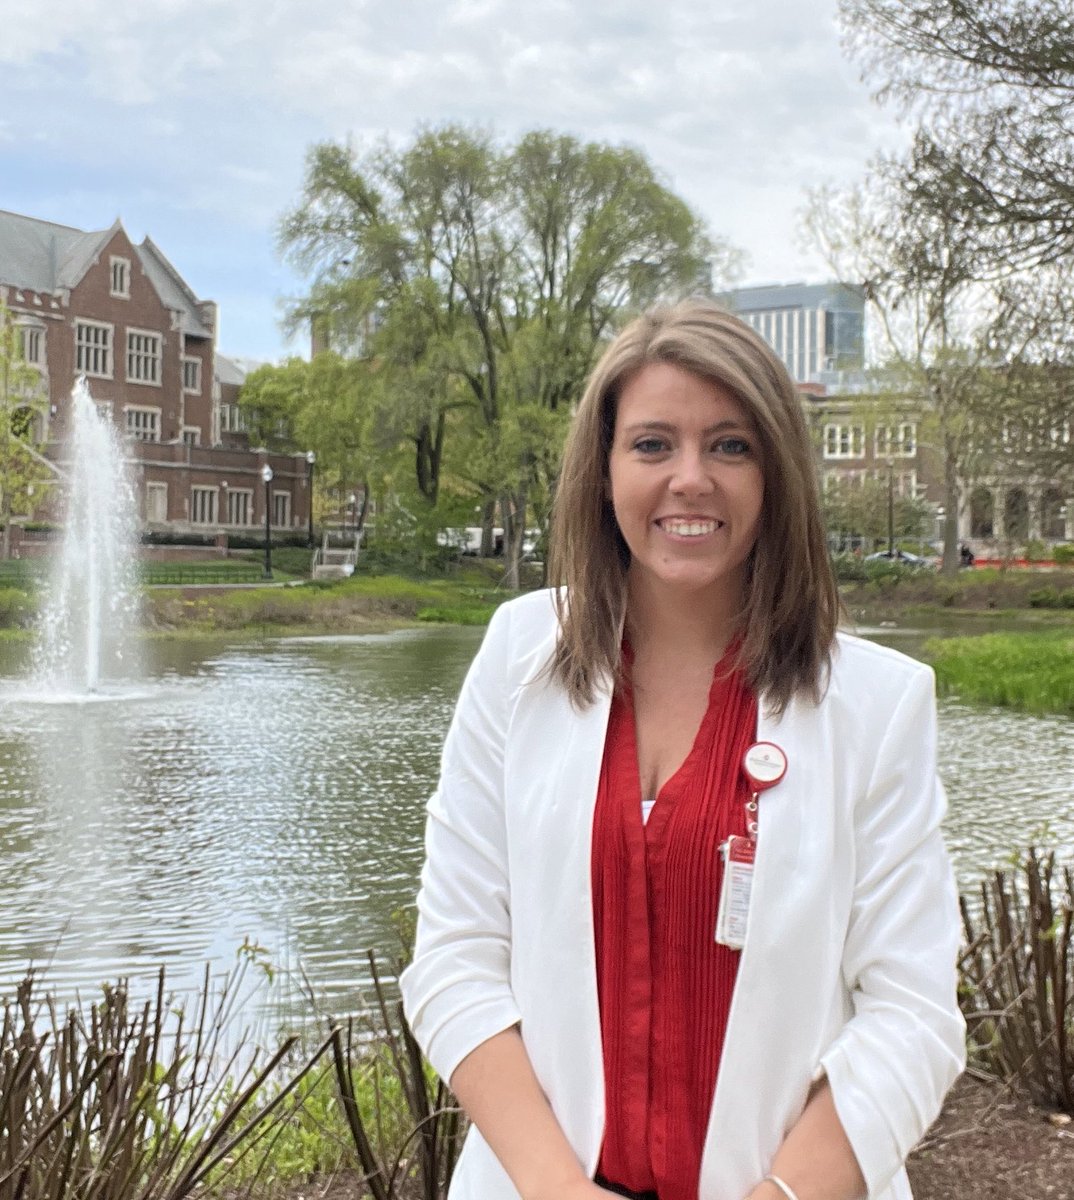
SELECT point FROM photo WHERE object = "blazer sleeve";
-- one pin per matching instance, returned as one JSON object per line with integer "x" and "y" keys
{"x": 904, "y": 1045}
{"x": 457, "y": 991}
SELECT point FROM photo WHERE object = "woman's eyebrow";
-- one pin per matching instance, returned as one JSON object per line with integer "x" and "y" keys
{"x": 670, "y": 427}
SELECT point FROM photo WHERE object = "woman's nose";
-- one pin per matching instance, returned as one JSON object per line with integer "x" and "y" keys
{"x": 691, "y": 474}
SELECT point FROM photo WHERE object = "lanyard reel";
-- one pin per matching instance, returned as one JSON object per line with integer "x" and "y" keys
{"x": 764, "y": 764}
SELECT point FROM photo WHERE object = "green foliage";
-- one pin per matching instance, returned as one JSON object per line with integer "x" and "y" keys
{"x": 1051, "y": 597}
{"x": 478, "y": 614}
{"x": 25, "y": 480}
{"x": 1064, "y": 554}
{"x": 321, "y": 405}
{"x": 17, "y": 608}
{"x": 1029, "y": 671}
{"x": 853, "y": 568}
{"x": 860, "y": 508}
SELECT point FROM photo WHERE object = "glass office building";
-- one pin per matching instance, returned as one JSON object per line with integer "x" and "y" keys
{"x": 818, "y": 330}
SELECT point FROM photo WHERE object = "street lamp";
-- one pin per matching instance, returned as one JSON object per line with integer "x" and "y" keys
{"x": 266, "y": 476}
{"x": 311, "y": 458}
{"x": 891, "y": 509}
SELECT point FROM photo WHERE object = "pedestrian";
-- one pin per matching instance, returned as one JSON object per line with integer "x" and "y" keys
{"x": 687, "y": 928}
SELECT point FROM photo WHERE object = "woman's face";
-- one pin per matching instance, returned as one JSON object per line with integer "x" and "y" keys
{"x": 686, "y": 482}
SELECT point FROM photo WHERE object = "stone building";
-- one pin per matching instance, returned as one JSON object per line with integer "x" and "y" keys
{"x": 97, "y": 304}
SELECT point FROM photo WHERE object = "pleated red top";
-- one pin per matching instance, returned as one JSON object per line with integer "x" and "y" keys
{"x": 665, "y": 985}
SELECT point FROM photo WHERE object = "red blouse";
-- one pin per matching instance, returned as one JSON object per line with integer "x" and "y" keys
{"x": 665, "y": 985}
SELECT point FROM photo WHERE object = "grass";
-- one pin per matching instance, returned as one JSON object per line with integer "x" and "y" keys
{"x": 356, "y": 605}
{"x": 1032, "y": 672}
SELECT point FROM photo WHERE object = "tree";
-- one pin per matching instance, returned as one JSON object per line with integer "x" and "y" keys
{"x": 25, "y": 477}
{"x": 992, "y": 82}
{"x": 323, "y": 406}
{"x": 921, "y": 287}
{"x": 873, "y": 509}
{"x": 482, "y": 279}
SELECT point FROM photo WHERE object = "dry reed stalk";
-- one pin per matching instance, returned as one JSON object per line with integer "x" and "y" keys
{"x": 109, "y": 1102}
{"x": 1017, "y": 978}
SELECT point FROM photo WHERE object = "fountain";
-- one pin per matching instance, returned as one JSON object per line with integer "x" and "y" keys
{"x": 85, "y": 632}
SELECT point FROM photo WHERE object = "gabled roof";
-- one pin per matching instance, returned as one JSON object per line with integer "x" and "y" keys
{"x": 228, "y": 371}
{"x": 70, "y": 271}
{"x": 42, "y": 256}
{"x": 31, "y": 251}
{"x": 172, "y": 289}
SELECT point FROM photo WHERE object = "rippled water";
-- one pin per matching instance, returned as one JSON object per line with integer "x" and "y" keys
{"x": 273, "y": 795}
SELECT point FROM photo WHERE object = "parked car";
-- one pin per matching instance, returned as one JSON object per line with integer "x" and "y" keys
{"x": 901, "y": 556}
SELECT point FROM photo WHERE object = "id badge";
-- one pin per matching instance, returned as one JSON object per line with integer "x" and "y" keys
{"x": 732, "y": 917}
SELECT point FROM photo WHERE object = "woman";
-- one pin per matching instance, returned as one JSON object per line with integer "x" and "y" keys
{"x": 609, "y": 1020}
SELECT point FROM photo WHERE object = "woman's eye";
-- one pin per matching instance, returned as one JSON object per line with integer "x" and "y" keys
{"x": 650, "y": 445}
{"x": 734, "y": 446}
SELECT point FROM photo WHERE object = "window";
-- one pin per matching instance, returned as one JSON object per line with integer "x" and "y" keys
{"x": 121, "y": 277}
{"x": 1058, "y": 435}
{"x": 143, "y": 356}
{"x": 843, "y": 481}
{"x": 896, "y": 441}
{"x": 844, "y": 441}
{"x": 143, "y": 424}
{"x": 203, "y": 505}
{"x": 232, "y": 419}
{"x": 281, "y": 509}
{"x": 191, "y": 435}
{"x": 240, "y": 506}
{"x": 93, "y": 349}
{"x": 32, "y": 345}
{"x": 156, "y": 503}
{"x": 905, "y": 485}
{"x": 192, "y": 375}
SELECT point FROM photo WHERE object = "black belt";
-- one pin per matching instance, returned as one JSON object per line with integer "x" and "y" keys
{"x": 619, "y": 1190}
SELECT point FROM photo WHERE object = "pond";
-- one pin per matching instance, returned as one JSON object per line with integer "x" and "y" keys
{"x": 271, "y": 796}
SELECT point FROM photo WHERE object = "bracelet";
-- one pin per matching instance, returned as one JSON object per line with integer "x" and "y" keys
{"x": 783, "y": 1186}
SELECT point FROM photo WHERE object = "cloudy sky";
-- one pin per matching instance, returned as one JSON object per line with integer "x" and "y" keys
{"x": 190, "y": 119}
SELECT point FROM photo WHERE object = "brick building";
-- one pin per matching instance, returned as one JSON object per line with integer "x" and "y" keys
{"x": 119, "y": 313}
{"x": 818, "y": 330}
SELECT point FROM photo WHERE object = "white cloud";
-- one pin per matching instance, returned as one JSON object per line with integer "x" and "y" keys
{"x": 195, "y": 114}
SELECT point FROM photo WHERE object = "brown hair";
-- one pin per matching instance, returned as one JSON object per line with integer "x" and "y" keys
{"x": 792, "y": 604}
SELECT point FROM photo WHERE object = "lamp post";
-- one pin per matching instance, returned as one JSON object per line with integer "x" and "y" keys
{"x": 352, "y": 500}
{"x": 311, "y": 458}
{"x": 266, "y": 476}
{"x": 891, "y": 509}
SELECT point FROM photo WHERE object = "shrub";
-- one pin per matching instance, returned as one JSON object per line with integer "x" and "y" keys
{"x": 1064, "y": 554}
{"x": 17, "y": 608}
{"x": 1035, "y": 550}
{"x": 1051, "y": 597}
{"x": 849, "y": 568}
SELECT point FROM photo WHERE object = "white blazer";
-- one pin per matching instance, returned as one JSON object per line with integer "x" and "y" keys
{"x": 849, "y": 964}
